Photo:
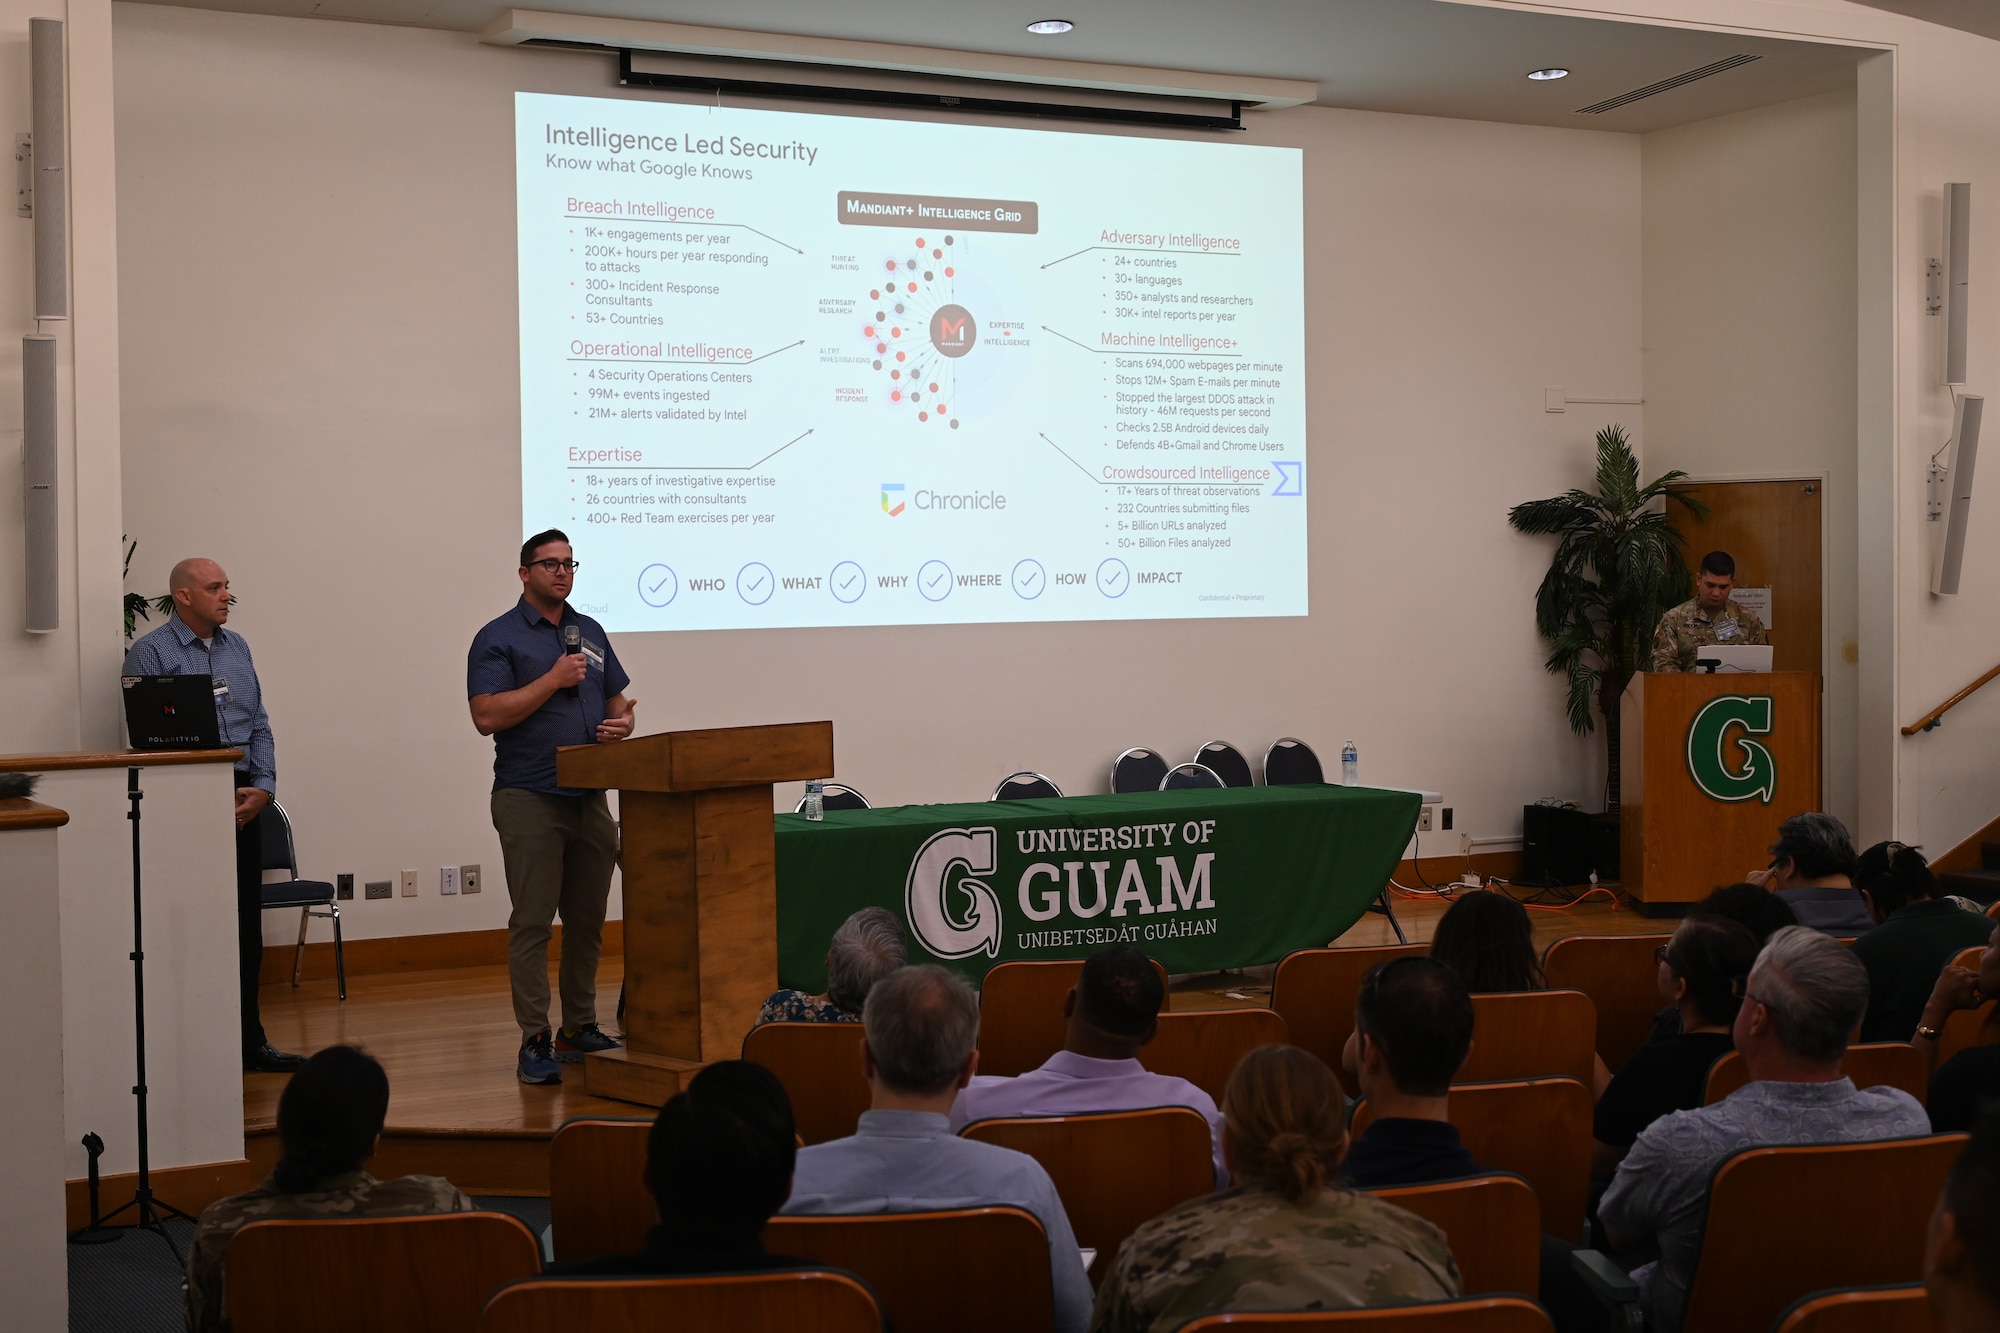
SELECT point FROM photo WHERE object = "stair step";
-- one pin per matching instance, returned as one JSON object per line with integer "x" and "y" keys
{"x": 1981, "y": 885}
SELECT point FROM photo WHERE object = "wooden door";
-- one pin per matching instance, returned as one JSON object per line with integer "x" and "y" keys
{"x": 1772, "y": 528}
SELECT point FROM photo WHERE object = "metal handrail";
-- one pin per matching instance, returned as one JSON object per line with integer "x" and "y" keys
{"x": 1931, "y": 719}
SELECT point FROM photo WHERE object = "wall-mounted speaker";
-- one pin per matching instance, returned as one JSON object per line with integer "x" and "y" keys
{"x": 1957, "y": 263}
{"x": 38, "y": 468}
{"x": 1950, "y": 554}
{"x": 51, "y": 185}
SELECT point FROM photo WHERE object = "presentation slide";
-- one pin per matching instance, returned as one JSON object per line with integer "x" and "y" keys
{"x": 797, "y": 370}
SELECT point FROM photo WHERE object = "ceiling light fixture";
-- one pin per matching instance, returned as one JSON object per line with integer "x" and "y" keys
{"x": 1543, "y": 75}
{"x": 1050, "y": 27}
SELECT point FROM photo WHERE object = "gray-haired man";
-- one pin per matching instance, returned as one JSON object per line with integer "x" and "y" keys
{"x": 1812, "y": 871}
{"x": 920, "y": 1028}
{"x": 1801, "y": 1006}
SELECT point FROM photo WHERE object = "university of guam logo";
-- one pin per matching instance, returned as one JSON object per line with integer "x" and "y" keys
{"x": 1722, "y": 759}
{"x": 941, "y": 879}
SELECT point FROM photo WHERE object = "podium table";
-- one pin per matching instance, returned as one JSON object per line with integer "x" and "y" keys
{"x": 699, "y": 857}
{"x": 1710, "y": 765}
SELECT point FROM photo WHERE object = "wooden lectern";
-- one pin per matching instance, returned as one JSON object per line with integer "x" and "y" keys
{"x": 699, "y": 856}
{"x": 1710, "y": 766}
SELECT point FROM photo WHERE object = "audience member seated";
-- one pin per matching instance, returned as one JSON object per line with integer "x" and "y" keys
{"x": 1287, "y": 1236}
{"x": 1962, "y": 1260}
{"x": 1753, "y": 906}
{"x": 1698, "y": 968}
{"x": 1916, "y": 934}
{"x": 1113, "y": 1011}
{"x": 867, "y": 947}
{"x": 919, "y": 1029}
{"x": 1801, "y": 1005}
{"x": 329, "y": 1123}
{"x": 1971, "y": 1079}
{"x": 718, "y": 1164}
{"x": 1413, "y": 1023}
{"x": 1812, "y": 870}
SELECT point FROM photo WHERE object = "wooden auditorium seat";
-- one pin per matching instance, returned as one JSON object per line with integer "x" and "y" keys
{"x": 1871, "y": 1065}
{"x": 1538, "y": 1128}
{"x": 1903, "y": 1308}
{"x": 1482, "y": 1314}
{"x": 820, "y": 1066}
{"x": 1203, "y": 1045}
{"x": 1969, "y": 1027}
{"x": 960, "y": 1270}
{"x": 1493, "y": 1223}
{"x": 1314, "y": 992}
{"x": 428, "y": 1274}
{"x": 1621, "y": 977}
{"x": 1531, "y": 1034}
{"x": 598, "y": 1202}
{"x": 1785, "y": 1222}
{"x": 1021, "y": 1021}
{"x": 794, "y": 1301}
{"x": 1113, "y": 1170}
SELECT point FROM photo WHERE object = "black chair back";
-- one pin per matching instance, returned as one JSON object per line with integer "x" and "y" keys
{"x": 1186, "y": 776}
{"x": 1138, "y": 769}
{"x": 837, "y": 796}
{"x": 1290, "y": 762}
{"x": 1227, "y": 762}
{"x": 274, "y": 836}
{"x": 1026, "y": 785}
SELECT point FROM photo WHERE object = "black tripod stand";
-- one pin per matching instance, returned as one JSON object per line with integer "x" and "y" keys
{"x": 152, "y": 1214}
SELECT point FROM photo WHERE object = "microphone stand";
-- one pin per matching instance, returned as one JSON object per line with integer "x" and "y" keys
{"x": 152, "y": 1214}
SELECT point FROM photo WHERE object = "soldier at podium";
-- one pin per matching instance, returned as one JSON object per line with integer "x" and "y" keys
{"x": 1711, "y": 617}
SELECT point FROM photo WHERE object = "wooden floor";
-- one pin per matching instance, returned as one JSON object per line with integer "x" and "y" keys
{"x": 448, "y": 1040}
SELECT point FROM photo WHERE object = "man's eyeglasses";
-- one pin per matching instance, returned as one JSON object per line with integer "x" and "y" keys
{"x": 1739, "y": 987}
{"x": 554, "y": 566}
{"x": 1660, "y": 955}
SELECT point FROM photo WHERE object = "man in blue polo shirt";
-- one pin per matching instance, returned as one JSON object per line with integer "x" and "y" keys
{"x": 559, "y": 843}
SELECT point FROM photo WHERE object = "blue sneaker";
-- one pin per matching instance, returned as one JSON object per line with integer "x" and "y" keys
{"x": 571, "y": 1047}
{"x": 537, "y": 1064}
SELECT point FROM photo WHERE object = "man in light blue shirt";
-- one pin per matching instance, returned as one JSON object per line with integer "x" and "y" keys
{"x": 193, "y": 642}
{"x": 920, "y": 1026}
{"x": 1801, "y": 1005}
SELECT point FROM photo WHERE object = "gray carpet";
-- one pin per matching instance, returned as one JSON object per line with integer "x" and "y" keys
{"x": 133, "y": 1284}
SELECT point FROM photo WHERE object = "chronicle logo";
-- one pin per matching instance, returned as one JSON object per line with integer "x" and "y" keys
{"x": 948, "y": 861}
{"x": 892, "y": 498}
{"x": 1707, "y": 748}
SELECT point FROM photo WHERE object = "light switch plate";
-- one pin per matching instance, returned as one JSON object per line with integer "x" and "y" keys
{"x": 448, "y": 880}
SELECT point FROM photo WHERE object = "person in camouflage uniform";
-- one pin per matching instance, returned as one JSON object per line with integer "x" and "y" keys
{"x": 329, "y": 1119}
{"x": 1710, "y": 618}
{"x": 1287, "y": 1236}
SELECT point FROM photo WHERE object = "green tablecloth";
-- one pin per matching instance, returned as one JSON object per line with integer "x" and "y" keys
{"x": 1198, "y": 879}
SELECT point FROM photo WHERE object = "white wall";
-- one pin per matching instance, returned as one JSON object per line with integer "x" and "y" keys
{"x": 1750, "y": 327}
{"x": 319, "y": 373}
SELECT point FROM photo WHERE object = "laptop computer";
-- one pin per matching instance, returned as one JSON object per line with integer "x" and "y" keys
{"x": 171, "y": 713}
{"x": 1733, "y": 657}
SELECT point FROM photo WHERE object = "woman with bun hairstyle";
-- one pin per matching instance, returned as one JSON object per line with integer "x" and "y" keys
{"x": 329, "y": 1123}
{"x": 1287, "y": 1234}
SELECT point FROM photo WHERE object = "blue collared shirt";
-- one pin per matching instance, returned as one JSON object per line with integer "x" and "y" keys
{"x": 909, "y": 1161}
{"x": 517, "y": 649}
{"x": 174, "y": 649}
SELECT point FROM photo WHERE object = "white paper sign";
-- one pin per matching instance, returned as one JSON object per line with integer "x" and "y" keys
{"x": 1757, "y": 601}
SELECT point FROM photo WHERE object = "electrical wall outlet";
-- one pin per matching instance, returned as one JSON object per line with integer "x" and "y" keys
{"x": 409, "y": 883}
{"x": 1465, "y": 844}
{"x": 1444, "y": 816}
{"x": 343, "y": 888}
{"x": 448, "y": 880}
{"x": 1424, "y": 820}
{"x": 468, "y": 879}
{"x": 379, "y": 888}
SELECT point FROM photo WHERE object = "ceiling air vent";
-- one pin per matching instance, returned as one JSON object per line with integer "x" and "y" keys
{"x": 1664, "y": 85}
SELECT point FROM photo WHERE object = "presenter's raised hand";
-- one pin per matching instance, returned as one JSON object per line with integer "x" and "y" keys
{"x": 618, "y": 721}
{"x": 250, "y": 801}
{"x": 568, "y": 671}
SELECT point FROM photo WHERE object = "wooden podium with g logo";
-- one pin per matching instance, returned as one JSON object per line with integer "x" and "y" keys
{"x": 1710, "y": 765}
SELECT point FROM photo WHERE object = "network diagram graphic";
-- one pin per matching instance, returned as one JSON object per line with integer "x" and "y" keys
{"x": 918, "y": 330}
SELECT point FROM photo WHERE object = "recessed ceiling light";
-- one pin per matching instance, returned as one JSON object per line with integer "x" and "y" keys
{"x": 1049, "y": 27}
{"x": 1546, "y": 74}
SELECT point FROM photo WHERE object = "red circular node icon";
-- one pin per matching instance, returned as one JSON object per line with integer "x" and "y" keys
{"x": 920, "y": 242}
{"x": 895, "y": 374}
{"x": 889, "y": 264}
{"x": 941, "y": 411}
{"x": 895, "y": 333}
{"x": 895, "y": 395}
{"x": 937, "y": 254}
{"x": 868, "y": 330}
{"x": 902, "y": 356}
{"x": 933, "y": 386}
{"x": 913, "y": 286}
{"x": 948, "y": 270}
{"x": 923, "y": 416}
{"x": 881, "y": 347}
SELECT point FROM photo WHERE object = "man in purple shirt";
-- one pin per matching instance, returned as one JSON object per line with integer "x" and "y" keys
{"x": 1113, "y": 1011}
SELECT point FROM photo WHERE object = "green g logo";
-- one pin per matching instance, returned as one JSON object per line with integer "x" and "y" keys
{"x": 1708, "y": 760}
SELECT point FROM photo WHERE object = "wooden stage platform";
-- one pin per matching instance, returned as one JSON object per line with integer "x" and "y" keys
{"x": 448, "y": 1041}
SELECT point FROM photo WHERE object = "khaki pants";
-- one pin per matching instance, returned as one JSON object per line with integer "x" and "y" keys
{"x": 559, "y": 851}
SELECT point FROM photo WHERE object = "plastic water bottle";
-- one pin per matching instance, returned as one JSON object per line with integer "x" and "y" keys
{"x": 1350, "y": 765}
{"x": 816, "y": 800}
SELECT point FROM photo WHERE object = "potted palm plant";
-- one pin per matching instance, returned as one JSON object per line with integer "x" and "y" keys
{"x": 1618, "y": 566}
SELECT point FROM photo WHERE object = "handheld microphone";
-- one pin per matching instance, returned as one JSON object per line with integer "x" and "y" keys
{"x": 572, "y": 644}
